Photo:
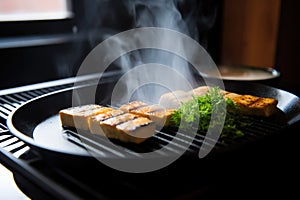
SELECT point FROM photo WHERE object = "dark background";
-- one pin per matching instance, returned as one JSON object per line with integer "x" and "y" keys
{"x": 38, "y": 51}
{"x": 288, "y": 46}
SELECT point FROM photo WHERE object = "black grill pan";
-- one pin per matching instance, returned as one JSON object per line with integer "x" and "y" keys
{"x": 58, "y": 143}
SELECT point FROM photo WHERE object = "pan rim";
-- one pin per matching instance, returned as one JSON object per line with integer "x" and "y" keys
{"x": 272, "y": 73}
{"x": 27, "y": 139}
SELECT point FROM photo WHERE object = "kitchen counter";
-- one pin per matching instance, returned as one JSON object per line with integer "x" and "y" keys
{"x": 8, "y": 187}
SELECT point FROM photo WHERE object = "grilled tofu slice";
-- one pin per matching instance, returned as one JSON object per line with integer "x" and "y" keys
{"x": 252, "y": 105}
{"x": 114, "y": 121}
{"x": 158, "y": 114}
{"x": 127, "y": 128}
{"x": 78, "y": 116}
{"x": 136, "y": 130}
{"x": 95, "y": 121}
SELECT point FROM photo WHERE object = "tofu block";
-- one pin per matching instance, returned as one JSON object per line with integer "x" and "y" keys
{"x": 78, "y": 116}
{"x": 258, "y": 106}
{"x": 136, "y": 130}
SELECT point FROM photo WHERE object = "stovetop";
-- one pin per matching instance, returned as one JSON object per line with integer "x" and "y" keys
{"x": 271, "y": 166}
{"x": 12, "y": 148}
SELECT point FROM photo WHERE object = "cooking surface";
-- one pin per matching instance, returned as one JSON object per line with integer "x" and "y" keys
{"x": 204, "y": 178}
{"x": 54, "y": 138}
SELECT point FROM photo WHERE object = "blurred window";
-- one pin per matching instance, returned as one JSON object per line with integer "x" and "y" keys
{"x": 31, "y": 10}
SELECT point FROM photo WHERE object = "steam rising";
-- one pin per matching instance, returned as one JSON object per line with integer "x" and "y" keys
{"x": 105, "y": 19}
{"x": 163, "y": 14}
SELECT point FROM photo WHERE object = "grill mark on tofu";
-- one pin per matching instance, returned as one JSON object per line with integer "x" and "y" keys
{"x": 137, "y": 130}
{"x": 246, "y": 100}
{"x": 134, "y": 124}
{"x": 252, "y": 105}
{"x": 147, "y": 109}
{"x": 95, "y": 121}
{"x": 257, "y": 103}
{"x": 114, "y": 121}
{"x": 132, "y": 105}
{"x": 107, "y": 115}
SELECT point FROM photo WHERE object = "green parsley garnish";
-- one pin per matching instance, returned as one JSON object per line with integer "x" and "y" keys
{"x": 201, "y": 108}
